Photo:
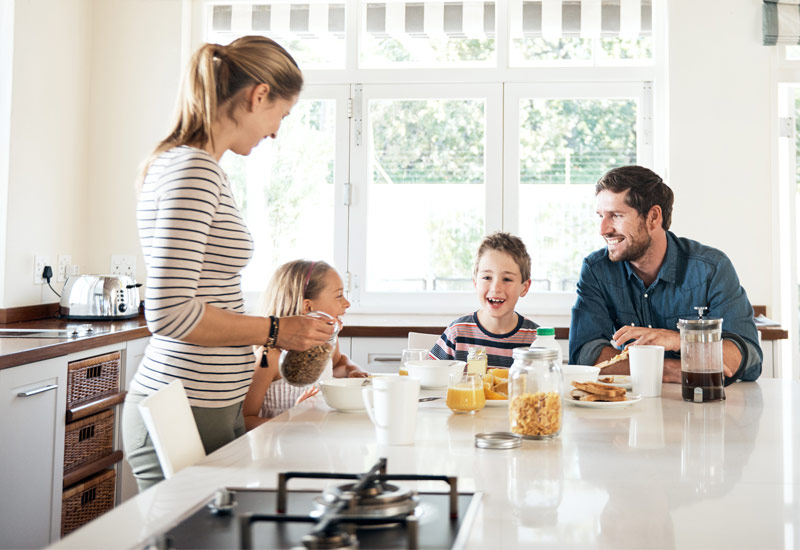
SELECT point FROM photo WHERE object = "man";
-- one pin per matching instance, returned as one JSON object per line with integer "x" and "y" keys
{"x": 636, "y": 289}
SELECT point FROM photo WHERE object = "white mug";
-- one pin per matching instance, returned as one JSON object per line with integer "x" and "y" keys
{"x": 391, "y": 402}
{"x": 647, "y": 369}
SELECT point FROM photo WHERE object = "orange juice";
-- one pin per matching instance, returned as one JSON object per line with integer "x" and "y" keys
{"x": 402, "y": 371}
{"x": 465, "y": 398}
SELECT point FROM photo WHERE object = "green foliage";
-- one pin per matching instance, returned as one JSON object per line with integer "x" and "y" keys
{"x": 454, "y": 241}
{"x": 428, "y": 141}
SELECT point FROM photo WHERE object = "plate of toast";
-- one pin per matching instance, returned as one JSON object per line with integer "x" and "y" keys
{"x": 620, "y": 380}
{"x": 600, "y": 396}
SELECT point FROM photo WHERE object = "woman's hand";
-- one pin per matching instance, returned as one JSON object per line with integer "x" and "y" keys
{"x": 301, "y": 332}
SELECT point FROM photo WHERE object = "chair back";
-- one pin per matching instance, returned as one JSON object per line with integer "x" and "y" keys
{"x": 170, "y": 423}
{"x": 421, "y": 340}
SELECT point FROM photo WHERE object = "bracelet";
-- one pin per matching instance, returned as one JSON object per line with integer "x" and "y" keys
{"x": 272, "y": 339}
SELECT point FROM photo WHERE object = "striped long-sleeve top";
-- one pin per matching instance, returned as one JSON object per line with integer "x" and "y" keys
{"x": 195, "y": 245}
{"x": 466, "y": 332}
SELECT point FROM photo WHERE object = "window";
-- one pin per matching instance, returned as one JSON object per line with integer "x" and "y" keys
{"x": 425, "y": 125}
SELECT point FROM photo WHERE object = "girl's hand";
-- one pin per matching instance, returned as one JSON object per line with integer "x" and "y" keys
{"x": 310, "y": 392}
{"x": 300, "y": 332}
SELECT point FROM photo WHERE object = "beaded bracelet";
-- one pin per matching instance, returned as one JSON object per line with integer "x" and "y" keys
{"x": 272, "y": 339}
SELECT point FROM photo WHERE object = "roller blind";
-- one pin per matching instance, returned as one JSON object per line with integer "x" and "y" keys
{"x": 550, "y": 19}
{"x": 781, "y": 22}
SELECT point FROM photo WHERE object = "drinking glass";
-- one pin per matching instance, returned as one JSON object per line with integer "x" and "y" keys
{"x": 465, "y": 393}
{"x": 411, "y": 355}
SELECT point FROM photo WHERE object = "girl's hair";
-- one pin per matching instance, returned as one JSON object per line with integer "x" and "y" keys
{"x": 292, "y": 283}
{"x": 215, "y": 75}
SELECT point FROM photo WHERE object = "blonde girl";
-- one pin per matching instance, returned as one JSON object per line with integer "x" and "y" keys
{"x": 195, "y": 244}
{"x": 296, "y": 288}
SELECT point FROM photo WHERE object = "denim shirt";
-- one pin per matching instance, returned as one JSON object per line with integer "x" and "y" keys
{"x": 611, "y": 295}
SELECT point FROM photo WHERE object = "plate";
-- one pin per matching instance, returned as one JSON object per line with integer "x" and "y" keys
{"x": 629, "y": 400}
{"x": 620, "y": 380}
{"x": 497, "y": 402}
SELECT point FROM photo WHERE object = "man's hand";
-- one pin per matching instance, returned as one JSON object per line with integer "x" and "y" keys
{"x": 670, "y": 339}
{"x": 672, "y": 371}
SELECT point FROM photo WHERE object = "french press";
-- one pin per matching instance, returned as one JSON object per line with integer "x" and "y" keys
{"x": 702, "y": 377}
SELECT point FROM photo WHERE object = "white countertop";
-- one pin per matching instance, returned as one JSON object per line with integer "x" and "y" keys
{"x": 662, "y": 473}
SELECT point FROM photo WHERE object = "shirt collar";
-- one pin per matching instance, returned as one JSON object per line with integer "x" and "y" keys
{"x": 668, "y": 268}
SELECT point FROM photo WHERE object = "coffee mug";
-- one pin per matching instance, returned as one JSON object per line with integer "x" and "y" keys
{"x": 391, "y": 403}
{"x": 647, "y": 369}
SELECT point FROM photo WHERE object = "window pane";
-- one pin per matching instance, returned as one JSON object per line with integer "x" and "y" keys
{"x": 286, "y": 200}
{"x": 426, "y": 193}
{"x": 565, "y": 146}
{"x": 313, "y": 32}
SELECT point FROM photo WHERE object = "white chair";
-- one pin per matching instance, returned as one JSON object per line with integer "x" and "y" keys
{"x": 170, "y": 423}
{"x": 421, "y": 340}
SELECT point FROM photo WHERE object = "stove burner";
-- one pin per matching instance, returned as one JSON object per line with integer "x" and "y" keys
{"x": 340, "y": 540}
{"x": 378, "y": 499}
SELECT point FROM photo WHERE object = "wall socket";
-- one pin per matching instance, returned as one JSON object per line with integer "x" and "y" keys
{"x": 123, "y": 265}
{"x": 62, "y": 267}
{"x": 38, "y": 266}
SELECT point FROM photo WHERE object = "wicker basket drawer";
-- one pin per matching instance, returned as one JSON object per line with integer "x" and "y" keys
{"x": 85, "y": 501}
{"x": 88, "y": 439}
{"x": 93, "y": 377}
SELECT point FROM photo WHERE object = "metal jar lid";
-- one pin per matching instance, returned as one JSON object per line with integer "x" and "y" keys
{"x": 497, "y": 440}
{"x": 535, "y": 353}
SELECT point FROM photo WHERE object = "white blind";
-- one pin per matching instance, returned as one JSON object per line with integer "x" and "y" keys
{"x": 553, "y": 19}
{"x": 466, "y": 19}
{"x": 308, "y": 19}
{"x": 781, "y": 22}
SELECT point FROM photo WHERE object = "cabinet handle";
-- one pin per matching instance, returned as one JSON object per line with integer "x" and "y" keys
{"x": 37, "y": 390}
{"x": 385, "y": 359}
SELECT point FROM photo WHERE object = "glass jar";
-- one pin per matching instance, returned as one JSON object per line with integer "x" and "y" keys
{"x": 477, "y": 360}
{"x": 301, "y": 368}
{"x": 534, "y": 393}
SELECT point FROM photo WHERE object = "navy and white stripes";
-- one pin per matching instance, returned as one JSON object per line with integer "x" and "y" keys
{"x": 195, "y": 245}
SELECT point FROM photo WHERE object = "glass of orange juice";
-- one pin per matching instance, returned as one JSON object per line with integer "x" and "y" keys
{"x": 465, "y": 393}
{"x": 410, "y": 355}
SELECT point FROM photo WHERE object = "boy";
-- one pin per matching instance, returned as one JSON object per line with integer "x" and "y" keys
{"x": 502, "y": 275}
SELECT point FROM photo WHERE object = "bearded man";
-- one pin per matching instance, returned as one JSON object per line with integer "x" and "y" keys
{"x": 635, "y": 289}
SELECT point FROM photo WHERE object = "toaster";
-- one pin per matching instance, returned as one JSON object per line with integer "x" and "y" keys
{"x": 99, "y": 297}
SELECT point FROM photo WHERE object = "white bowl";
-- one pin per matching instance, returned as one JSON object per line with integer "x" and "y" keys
{"x": 433, "y": 373}
{"x": 578, "y": 373}
{"x": 343, "y": 394}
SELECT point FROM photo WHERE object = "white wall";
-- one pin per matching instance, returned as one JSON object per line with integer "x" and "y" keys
{"x": 47, "y": 172}
{"x": 720, "y": 142}
{"x": 94, "y": 84}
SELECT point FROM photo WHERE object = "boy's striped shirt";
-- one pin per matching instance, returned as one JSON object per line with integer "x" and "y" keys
{"x": 466, "y": 332}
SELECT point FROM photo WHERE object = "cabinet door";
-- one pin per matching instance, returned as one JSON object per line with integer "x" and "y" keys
{"x": 33, "y": 401}
{"x": 126, "y": 483}
{"x": 379, "y": 355}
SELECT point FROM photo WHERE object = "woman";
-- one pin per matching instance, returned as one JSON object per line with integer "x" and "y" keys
{"x": 195, "y": 245}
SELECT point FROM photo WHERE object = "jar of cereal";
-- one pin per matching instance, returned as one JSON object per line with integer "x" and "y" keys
{"x": 534, "y": 393}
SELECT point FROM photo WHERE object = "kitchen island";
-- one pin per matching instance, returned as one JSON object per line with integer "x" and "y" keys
{"x": 661, "y": 473}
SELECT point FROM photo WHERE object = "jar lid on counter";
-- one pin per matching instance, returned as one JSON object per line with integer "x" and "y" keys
{"x": 497, "y": 440}
{"x": 535, "y": 353}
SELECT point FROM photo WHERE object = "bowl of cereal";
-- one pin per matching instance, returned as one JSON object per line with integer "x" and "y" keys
{"x": 344, "y": 394}
{"x": 433, "y": 373}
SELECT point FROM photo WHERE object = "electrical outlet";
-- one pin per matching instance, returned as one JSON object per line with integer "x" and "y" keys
{"x": 38, "y": 266}
{"x": 62, "y": 268}
{"x": 123, "y": 265}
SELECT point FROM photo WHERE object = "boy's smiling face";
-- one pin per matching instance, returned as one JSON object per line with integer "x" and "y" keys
{"x": 499, "y": 284}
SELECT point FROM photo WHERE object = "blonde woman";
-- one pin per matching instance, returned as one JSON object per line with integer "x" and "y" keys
{"x": 296, "y": 288}
{"x": 195, "y": 245}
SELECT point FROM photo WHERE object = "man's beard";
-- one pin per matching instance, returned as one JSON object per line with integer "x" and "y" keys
{"x": 638, "y": 245}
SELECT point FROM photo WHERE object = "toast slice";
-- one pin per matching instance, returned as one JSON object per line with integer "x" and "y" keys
{"x": 580, "y": 395}
{"x": 616, "y": 359}
{"x": 600, "y": 389}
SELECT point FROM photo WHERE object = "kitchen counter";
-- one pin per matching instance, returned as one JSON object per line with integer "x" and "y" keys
{"x": 662, "y": 473}
{"x": 20, "y": 351}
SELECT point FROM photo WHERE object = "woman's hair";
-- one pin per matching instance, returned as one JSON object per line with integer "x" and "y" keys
{"x": 645, "y": 189}
{"x": 213, "y": 78}
{"x": 511, "y": 245}
{"x": 292, "y": 283}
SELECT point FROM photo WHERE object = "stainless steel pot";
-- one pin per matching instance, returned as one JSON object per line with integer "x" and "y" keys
{"x": 100, "y": 297}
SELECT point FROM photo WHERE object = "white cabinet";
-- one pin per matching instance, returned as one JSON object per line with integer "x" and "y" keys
{"x": 33, "y": 401}
{"x": 377, "y": 354}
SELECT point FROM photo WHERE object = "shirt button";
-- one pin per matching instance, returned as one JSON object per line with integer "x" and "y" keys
{"x": 645, "y": 295}
{"x": 649, "y": 326}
